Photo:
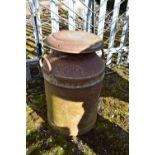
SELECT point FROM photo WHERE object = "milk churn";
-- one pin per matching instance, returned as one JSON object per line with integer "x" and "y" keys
{"x": 73, "y": 76}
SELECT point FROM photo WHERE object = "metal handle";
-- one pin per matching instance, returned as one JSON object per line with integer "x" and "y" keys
{"x": 47, "y": 62}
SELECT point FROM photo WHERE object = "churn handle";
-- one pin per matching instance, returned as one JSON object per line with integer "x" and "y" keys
{"x": 47, "y": 62}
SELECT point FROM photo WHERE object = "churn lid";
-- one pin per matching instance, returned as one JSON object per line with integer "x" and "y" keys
{"x": 74, "y": 42}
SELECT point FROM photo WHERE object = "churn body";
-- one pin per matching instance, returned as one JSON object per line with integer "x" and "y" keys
{"x": 72, "y": 88}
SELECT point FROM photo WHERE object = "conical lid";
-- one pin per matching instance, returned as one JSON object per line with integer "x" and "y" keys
{"x": 74, "y": 42}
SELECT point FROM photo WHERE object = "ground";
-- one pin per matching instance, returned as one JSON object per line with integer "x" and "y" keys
{"x": 109, "y": 136}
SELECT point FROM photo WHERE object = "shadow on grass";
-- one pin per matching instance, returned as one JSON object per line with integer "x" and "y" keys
{"x": 45, "y": 140}
{"x": 107, "y": 138}
{"x": 115, "y": 86}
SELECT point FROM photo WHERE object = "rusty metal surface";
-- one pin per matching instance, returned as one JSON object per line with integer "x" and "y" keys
{"x": 74, "y": 42}
{"x": 72, "y": 91}
{"x": 74, "y": 71}
{"x": 73, "y": 81}
{"x": 72, "y": 112}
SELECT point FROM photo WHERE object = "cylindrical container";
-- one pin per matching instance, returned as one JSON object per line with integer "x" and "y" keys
{"x": 73, "y": 77}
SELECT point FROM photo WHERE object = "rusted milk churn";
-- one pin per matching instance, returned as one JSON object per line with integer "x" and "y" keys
{"x": 73, "y": 76}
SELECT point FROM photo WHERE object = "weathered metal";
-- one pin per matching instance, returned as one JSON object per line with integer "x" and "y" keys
{"x": 73, "y": 84}
{"x": 74, "y": 42}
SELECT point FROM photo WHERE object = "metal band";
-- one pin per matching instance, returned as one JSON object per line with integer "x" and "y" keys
{"x": 72, "y": 84}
